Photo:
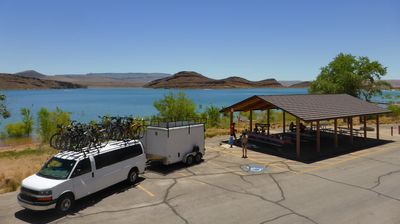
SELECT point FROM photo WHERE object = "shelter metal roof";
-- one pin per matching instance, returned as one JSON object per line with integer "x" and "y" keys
{"x": 310, "y": 107}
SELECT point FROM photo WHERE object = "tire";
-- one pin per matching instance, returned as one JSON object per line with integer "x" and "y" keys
{"x": 54, "y": 141}
{"x": 65, "y": 203}
{"x": 189, "y": 160}
{"x": 198, "y": 158}
{"x": 133, "y": 176}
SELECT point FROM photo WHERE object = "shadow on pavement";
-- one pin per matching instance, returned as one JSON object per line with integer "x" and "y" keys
{"x": 308, "y": 152}
{"x": 158, "y": 167}
{"x": 30, "y": 216}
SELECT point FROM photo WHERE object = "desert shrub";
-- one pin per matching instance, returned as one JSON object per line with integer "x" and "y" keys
{"x": 48, "y": 121}
{"x": 211, "y": 113}
{"x": 27, "y": 120}
{"x": 16, "y": 129}
{"x": 176, "y": 107}
{"x": 395, "y": 109}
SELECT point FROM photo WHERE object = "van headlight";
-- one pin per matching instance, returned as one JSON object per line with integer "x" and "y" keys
{"x": 45, "y": 192}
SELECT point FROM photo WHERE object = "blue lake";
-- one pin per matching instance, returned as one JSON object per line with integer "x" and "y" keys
{"x": 88, "y": 104}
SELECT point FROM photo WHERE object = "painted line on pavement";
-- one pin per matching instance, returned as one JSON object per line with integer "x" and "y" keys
{"x": 146, "y": 191}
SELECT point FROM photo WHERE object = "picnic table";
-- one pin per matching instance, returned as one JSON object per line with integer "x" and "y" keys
{"x": 345, "y": 130}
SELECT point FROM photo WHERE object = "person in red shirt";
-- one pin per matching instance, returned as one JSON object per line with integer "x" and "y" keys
{"x": 232, "y": 134}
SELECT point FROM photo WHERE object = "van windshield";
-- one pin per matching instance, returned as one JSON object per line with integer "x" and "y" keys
{"x": 57, "y": 168}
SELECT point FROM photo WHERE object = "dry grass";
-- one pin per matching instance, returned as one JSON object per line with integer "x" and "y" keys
{"x": 17, "y": 165}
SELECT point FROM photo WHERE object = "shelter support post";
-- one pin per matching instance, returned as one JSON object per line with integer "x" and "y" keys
{"x": 231, "y": 118}
{"x": 377, "y": 126}
{"x": 351, "y": 129}
{"x": 268, "y": 124}
{"x": 365, "y": 126}
{"x": 318, "y": 138}
{"x": 284, "y": 122}
{"x": 298, "y": 136}
{"x": 251, "y": 120}
{"x": 335, "y": 130}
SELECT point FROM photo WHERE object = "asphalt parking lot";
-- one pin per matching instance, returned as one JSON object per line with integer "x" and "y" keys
{"x": 359, "y": 187}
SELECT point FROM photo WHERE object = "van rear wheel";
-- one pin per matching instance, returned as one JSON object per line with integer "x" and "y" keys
{"x": 133, "y": 176}
{"x": 64, "y": 204}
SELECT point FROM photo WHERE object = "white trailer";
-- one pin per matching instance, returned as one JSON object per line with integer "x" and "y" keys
{"x": 173, "y": 142}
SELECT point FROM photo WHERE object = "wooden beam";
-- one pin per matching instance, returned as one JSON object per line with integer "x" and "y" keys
{"x": 284, "y": 121}
{"x": 351, "y": 129}
{"x": 377, "y": 126}
{"x": 231, "y": 117}
{"x": 298, "y": 137}
{"x": 365, "y": 126}
{"x": 251, "y": 121}
{"x": 268, "y": 121}
{"x": 318, "y": 138}
{"x": 335, "y": 130}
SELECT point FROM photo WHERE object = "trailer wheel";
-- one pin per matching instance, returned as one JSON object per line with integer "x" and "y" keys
{"x": 189, "y": 160}
{"x": 198, "y": 157}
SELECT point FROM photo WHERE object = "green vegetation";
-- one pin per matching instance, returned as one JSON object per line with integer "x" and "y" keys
{"x": 21, "y": 128}
{"x": 4, "y": 113}
{"x": 211, "y": 113}
{"x": 48, "y": 121}
{"x": 356, "y": 76}
{"x": 27, "y": 120}
{"x": 27, "y": 152}
{"x": 16, "y": 129}
{"x": 176, "y": 107}
{"x": 394, "y": 104}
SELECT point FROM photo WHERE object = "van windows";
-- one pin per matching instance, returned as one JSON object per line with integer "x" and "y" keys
{"x": 116, "y": 156}
{"x": 83, "y": 167}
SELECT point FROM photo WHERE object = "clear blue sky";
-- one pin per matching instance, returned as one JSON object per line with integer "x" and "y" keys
{"x": 256, "y": 39}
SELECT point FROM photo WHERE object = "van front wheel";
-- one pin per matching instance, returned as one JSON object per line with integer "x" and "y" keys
{"x": 133, "y": 176}
{"x": 65, "y": 203}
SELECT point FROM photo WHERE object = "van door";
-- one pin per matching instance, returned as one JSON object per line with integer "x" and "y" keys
{"x": 83, "y": 178}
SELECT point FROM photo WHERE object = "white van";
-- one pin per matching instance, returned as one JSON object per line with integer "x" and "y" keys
{"x": 69, "y": 176}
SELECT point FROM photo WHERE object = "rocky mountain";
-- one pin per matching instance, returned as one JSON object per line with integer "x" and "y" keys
{"x": 194, "y": 80}
{"x": 304, "y": 84}
{"x": 13, "y": 81}
{"x": 31, "y": 74}
{"x": 110, "y": 79}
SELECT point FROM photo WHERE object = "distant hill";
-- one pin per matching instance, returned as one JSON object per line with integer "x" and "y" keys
{"x": 110, "y": 79}
{"x": 13, "y": 81}
{"x": 304, "y": 84}
{"x": 394, "y": 82}
{"x": 31, "y": 74}
{"x": 289, "y": 82}
{"x": 194, "y": 80}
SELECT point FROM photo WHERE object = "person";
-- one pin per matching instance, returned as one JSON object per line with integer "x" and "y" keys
{"x": 291, "y": 126}
{"x": 244, "y": 140}
{"x": 302, "y": 127}
{"x": 232, "y": 134}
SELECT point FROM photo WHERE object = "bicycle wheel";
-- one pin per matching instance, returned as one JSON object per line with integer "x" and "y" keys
{"x": 54, "y": 141}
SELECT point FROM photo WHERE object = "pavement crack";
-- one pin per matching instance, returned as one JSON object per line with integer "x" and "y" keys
{"x": 262, "y": 198}
{"x": 355, "y": 186}
{"x": 244, "y": 179}
{"x": 276, "y": 218}
{"x": 166, "y": 201}
{"x": 378, "y": 181}
{"x": 279, "y": 187}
